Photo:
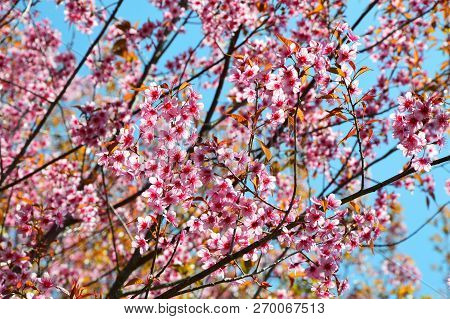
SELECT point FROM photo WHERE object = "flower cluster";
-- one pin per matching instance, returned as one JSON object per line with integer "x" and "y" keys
{"x": 419, "y": 122}
{"x": 93, "y": 128}
{"x": 82, "y": 13}
{"x": 270, "y": 191}
{"x": 156, "y": 148}
{"x": 401, "y": 270}
{"x": 97, "y": 121}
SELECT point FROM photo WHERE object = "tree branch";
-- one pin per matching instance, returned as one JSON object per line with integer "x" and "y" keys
{"x": 174, "y": 291}
{"x": 36, "y": 131}
{"x": 395, "y": 243}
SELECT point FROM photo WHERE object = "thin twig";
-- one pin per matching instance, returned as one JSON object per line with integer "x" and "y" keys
{"x": 110, "y": 221}
{"x": 395, "y": 243}
{"x": 38, "y": 128}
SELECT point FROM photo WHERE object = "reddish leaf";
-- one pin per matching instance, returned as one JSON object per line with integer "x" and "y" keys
{"x": 341, "y": 116}
{"x": 111, "y": 146}
{"x": 349, "y": 134}
{"x": 265, "y": 285}
{"x": 370, "y": 134}
{"x": 333, "y": 112}
{"x": 139, "y": 89}
{"x": 352, "y": 64}
{"x": 124, "y": 26}
{"x": 240, "y": 119}
{"x": 120, "y": 47}
{"x": 265, "y": 149}
{"x": 337, "y": 71}
{"x": 316, "y": 10}
{"x": 300, "y": 115}
{"x": 288, "y": 42}
{"x": 355, "y": 206}
{"x": 361, "y": 71}
{"x": 134, "y": 281}
{"x": 183, "y": 86}
{"x": 329, "y": 97}
{"x": 372, "y": 121}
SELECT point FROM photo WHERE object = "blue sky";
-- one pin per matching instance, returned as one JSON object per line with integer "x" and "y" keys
{"x": 415, "y": 210}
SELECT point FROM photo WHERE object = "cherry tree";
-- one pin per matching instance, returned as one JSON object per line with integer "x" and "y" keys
{"x": 236, "y": 163}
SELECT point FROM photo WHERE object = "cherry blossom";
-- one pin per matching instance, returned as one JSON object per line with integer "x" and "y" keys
{"x": 222, "y": 149}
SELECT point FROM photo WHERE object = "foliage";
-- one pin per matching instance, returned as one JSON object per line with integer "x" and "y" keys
{"x": 119, "y": 179}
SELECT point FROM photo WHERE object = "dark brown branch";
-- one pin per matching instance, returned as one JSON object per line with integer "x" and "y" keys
{"x": 215, "y": 101}
{"x": 389, "y": 181}
{"x": 40, "y": 168}
{"x": 152, "y": 267}
{"x": 363, "y": 15}
{"x": 134, "y": 263}
{"x": 113, "y": 235}
{"x": 3, "y": 20}
{"x": 157, "y": 54}
{"x": 38, "y": 128}
{"x": 206, "y": 69}
{"x": 253, "y": 274}
{"x": 343, "y": 167}
{"x": 358, "y": 138}
{"x": 269, "y": 273}
{"x": 175, "y": 291}
{"x": 387, "y": 154}
{"x": 55, "y": 230}
{"x": 26, "y": 90}
{"x": 132, "y": 197}
{"x": 404, "y": 24}
{"x": 395, "y": 243}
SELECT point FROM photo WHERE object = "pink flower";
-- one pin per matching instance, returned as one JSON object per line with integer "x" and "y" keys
{"x": 328, "y": 265}
{"x": 353, "y": 89}
{"x": 102, "y": 158}
{"x": 195, "y": 224}
{"x": 346, "y": 53}
{"x": 422, "y": 164}
{"x": 313, "y": 271}
{"x": 235, "y": 76}
{"x": 304, "y": 242}
{"x": 172, "y": 217}
{"x": 126, "y": 136}
{"x": 274, "y": 84}
{"x": 406, "y": 102}
{"x": 251, "y": 256}
{"x": 348, "y": 71}
{"x": 352, "y": 36}
{"x": 254, "y": 224}
{"x": 304, "y": 58}
{"x": 204, "y": 254}
{"x": 267, "y": 182}
{"x": 46, "y": 281}
{"x": 423, "y": 110}
{"x": 332, "y": 202}
{"x": 322, "y": 78}
{"x": 169, "y": 108}
{"x": 193, "y": 181}
{"x": 250, "y": 72}
{"x": 276, "y": 118}
{"x": 249, "y": 94}
{"x": 314, "y": 217}
{"x": 59, "y": 217}
{"x": 413, "y": 144}
{"x": 141, "y": 243}
{"x": 288, "y": 74}
{"x": 143, "y": 224}
{"x": 153, "y": 92}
